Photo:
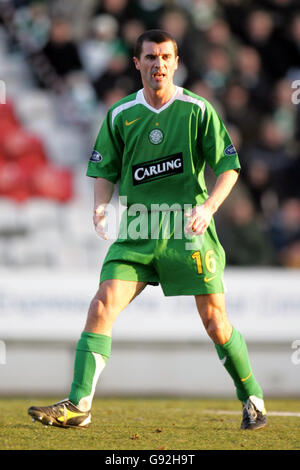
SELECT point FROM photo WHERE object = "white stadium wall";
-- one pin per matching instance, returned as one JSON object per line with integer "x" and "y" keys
{"x": 159, "y": 344}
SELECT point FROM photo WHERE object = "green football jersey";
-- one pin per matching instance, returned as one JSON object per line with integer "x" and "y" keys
{"x": 159, "y": 155}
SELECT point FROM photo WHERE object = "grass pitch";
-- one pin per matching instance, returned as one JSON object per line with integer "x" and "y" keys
{"x": 153, "y": 424}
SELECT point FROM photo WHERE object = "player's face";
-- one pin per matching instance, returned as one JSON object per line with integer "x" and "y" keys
{"x": 157, "y": 64}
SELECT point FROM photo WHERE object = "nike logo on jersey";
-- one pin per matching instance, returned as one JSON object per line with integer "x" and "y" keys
{"x": 128, "y": 123}
{"x": 207, "y": 279}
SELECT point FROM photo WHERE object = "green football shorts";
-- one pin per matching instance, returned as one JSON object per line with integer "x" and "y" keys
{"x": 154, "y": 249}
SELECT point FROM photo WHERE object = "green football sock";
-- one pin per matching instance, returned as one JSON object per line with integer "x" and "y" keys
{"x": 92, "y": 352}
{"x": 234, "y": 357}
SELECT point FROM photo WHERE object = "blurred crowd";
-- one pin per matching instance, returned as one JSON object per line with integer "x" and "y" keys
{"x": 241, "y": 55}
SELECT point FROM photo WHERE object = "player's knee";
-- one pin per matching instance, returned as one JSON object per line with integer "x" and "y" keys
{"x": 218, "y": 328}
{"x": 215, "y": 330}
{"x": 100, "y": 311}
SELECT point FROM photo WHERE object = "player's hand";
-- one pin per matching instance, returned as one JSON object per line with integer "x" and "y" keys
{"x": 99, "y": 220}
{"x": 198, "y": 220}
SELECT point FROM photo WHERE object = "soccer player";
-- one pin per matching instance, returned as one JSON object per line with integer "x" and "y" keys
{"x": 156, "y": 142}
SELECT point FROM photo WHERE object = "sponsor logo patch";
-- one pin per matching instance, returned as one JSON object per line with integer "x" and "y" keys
{"x": 96, "y": 157}
{"x": 230, "y": 150}
{"x": 156, "y": 169}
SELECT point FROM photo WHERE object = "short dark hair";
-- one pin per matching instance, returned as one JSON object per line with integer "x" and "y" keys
{"x": 154, "y": 35}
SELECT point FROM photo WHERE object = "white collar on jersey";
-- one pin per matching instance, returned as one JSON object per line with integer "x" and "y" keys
{"x": 140, "y": 98}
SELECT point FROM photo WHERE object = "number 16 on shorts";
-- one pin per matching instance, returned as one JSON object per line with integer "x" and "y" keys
{"x": 209, "y": 263}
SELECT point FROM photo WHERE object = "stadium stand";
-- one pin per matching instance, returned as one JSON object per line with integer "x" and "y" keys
{"x": 64, "y": 63}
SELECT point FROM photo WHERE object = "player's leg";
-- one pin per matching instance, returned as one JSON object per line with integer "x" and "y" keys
{"x": 211, "y": 308}
{"x": 112, "y": 297}
{"x": 125, "y": 273}
{"x": 93, "y": 348}
{"x": 233, "y": 353}
{"x": 92, "y": 352}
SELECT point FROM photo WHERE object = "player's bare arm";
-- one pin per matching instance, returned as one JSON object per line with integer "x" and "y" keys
{"x": 103, "y": 191}
{"x": 201, "y": 215}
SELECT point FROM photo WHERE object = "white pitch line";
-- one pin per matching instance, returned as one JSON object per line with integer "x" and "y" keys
{"x": 269, "y": 413}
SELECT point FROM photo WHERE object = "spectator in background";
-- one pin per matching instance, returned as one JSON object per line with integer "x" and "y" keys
{"x": 117, "y": 73}
{"x": 289, "y": 36}
{"x": 294, "y": 37}
{"x": 258, "y": 180}
{"x": 178, "y": 23}
{"x": 33, "y": 25}
{"x": 244, "y": 237}
{"x": 234, "y": 13}
{"x": 285, "y": 232}
{"x": 290, "y": 256}
{"x": 218, "y": 69}
{"x": 118, "y": 9}
{"x": 148, "y": 11}
{"x": 267, "y": 164}
{"x": 260, "y": 33}
{"x": 203, "y": 12}
{"x": 77, "y": 104}
{"x": 109, "y": 97}
{"x": 201, "y": 88}
{"x": 114, "y": 76}
{"x": 240, "y": 111}
{"x": 280, "y": 8}
{"x": 252, "y": 77}
{"x": 98, "y": 49}
{"x": 130, "y": 31}
{"x": 285, "y": 113}
{"x": 219, "y": 34}
{"x": 61, "y": 50}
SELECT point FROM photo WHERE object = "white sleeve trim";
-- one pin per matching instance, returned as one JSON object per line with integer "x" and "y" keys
{"x": 190, "y": 99}
{"x": 121, "y": 108}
